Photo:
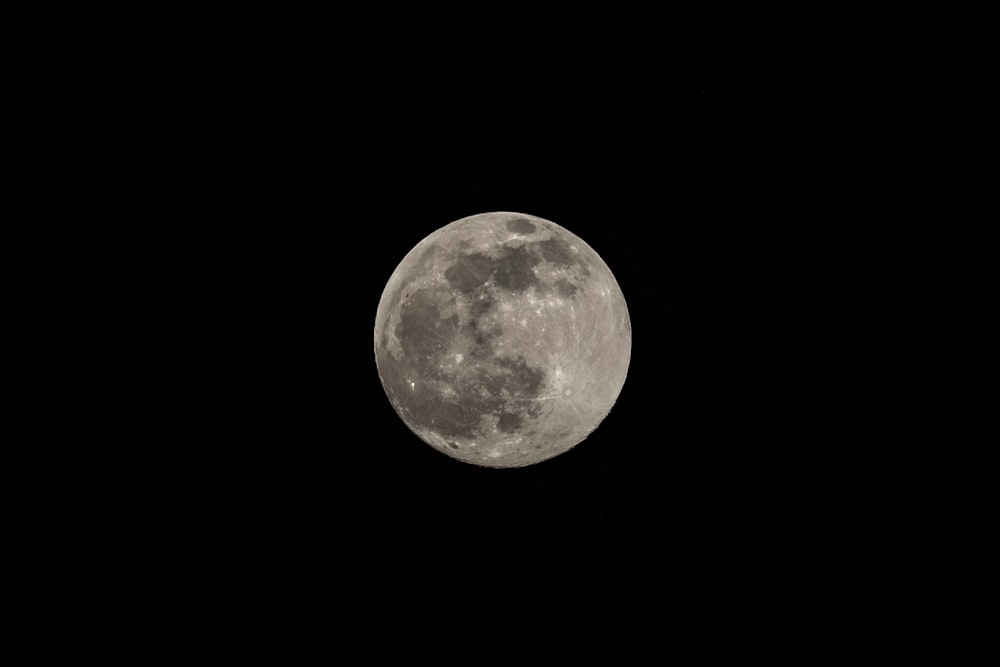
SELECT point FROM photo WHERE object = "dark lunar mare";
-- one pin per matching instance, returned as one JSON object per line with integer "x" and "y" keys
{"x": 501, "y": 386}
{"x": 559, "y": 253}
{"x": 555, "y": 250}
{"x": 520, "y": 226}
{"x": 515, "y": 268}
{"x": 469, "y": 271}
{"x": 565, "y": 288}
{"x": 523, "y": 381}
{"x": 421, "y": 265}
{"x": 422, "y": 332}
{"x": 508, "y": 422}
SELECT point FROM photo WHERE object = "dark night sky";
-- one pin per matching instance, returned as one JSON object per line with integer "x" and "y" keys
{"x": 795, "y": 223}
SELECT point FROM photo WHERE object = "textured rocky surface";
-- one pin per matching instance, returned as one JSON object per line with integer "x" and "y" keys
{"x": 502, "y": 339}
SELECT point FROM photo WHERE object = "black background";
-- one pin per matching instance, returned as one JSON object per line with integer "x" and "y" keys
{"x": 794, "y": 216}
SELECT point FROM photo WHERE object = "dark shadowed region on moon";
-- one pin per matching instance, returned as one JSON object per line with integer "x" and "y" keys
{"x": 502, "y": 339}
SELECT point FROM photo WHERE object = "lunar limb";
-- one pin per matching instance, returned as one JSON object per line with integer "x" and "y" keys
{"x": 502, "y": 339}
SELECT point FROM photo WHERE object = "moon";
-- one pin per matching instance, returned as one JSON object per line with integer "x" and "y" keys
{"x": 502, "y": 340}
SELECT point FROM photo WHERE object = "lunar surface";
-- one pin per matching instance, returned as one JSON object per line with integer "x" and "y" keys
{"x": 502, "y": 340}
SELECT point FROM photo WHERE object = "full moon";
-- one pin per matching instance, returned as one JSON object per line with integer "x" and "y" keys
{"x": 502, "y": 340}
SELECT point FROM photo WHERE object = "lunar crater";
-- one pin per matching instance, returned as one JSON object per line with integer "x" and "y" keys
{"x": 520, "y": 226}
